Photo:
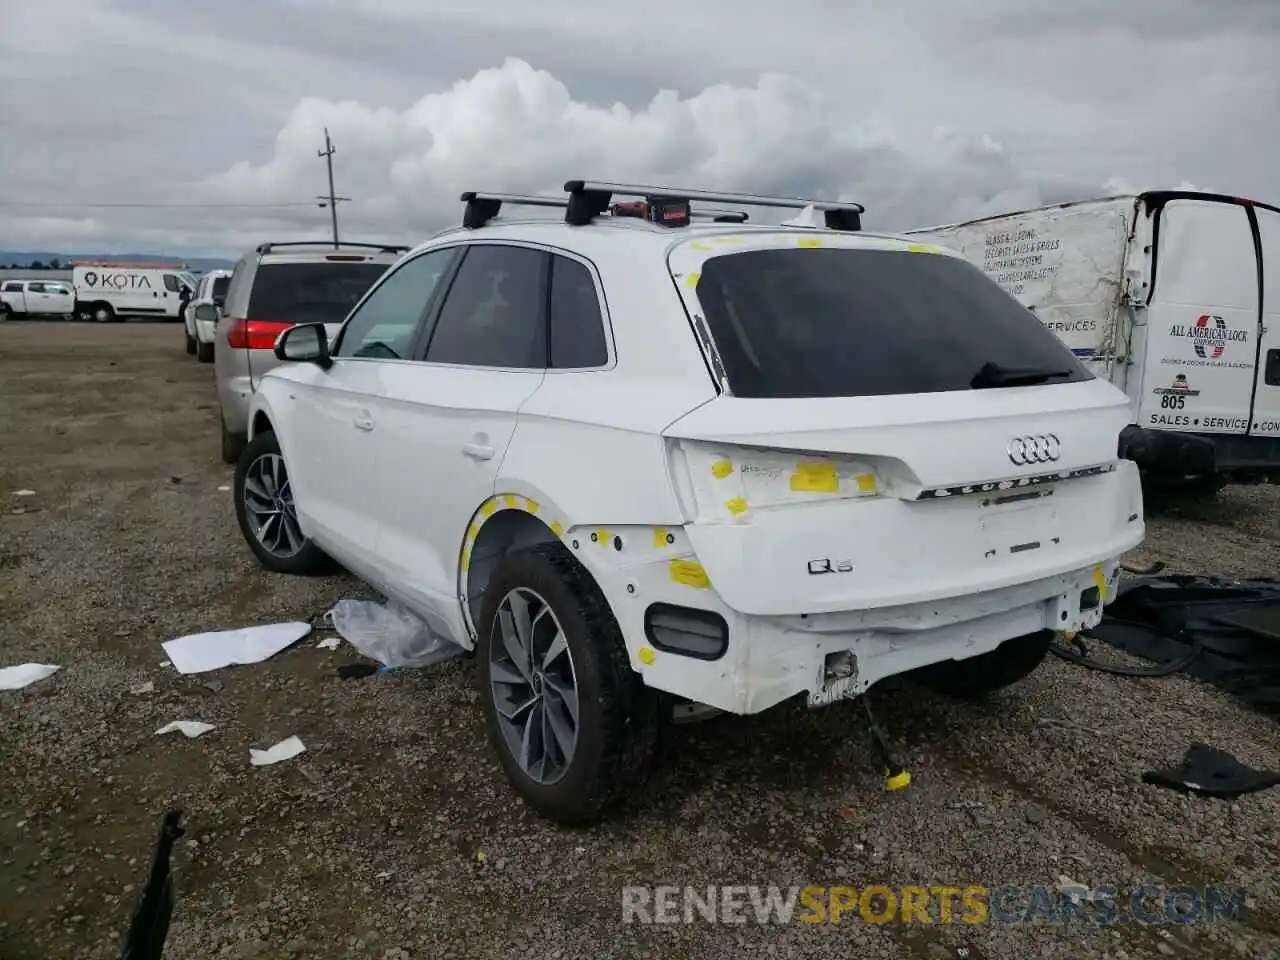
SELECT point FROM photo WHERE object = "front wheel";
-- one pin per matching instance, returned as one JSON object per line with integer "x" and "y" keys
{"x": 190, "y": 340}
{"x": 572, "y": 724}
{"x": 266, "y": 512}
{"x": 204, "y": 351}
{"x": 978, "y": 676}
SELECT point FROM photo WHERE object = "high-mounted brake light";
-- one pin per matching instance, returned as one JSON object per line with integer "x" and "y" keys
{"x": 255, "y": 334}
{"x": 346, "y": 257}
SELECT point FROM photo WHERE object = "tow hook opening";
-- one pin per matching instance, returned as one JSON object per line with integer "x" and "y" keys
{"x": 839, "y": 665}
{"x": 1089, "y": 599}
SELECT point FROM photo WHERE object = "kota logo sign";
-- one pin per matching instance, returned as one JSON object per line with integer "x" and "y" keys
{"x": 90, "y": 278}
{"x": 1209, "y": 335}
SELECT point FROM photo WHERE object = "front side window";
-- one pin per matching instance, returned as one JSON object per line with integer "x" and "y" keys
{"x": 171, "y": 283}
{"x": 384, "y": 326}
{"x": 853, "y": 322}
{"x": 494, "y": 314}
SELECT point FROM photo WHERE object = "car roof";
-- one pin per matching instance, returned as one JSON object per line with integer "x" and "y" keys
{"x": 635, "y": 231}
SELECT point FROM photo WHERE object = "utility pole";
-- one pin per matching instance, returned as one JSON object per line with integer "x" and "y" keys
{"x": 332, "y": 200}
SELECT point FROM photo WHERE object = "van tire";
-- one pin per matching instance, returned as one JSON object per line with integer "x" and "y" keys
{"x": 978, "y": 676}
{"x": 619, "y": 717}
{"x": 102, "y": 313}
{"x": 204, "y": 351}
{"x": 232, "y": 445}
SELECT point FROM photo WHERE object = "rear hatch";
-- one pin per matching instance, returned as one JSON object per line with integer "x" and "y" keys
{"x": 291, "y": 288}
{"x": 894, "y": 428}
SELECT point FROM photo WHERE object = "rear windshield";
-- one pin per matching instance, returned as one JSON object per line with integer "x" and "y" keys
{"x": 219, "y": 290}
{"x": 841, "y": 323}
{"x": 310, "y": 292}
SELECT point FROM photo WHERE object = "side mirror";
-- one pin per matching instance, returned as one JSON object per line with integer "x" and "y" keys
{"x": 218, "y": 302}
{"x": 304, "y": 343}
{"x": 207, "y": 312}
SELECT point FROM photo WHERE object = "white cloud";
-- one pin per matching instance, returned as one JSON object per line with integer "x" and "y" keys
{"x": 949, "y": 111}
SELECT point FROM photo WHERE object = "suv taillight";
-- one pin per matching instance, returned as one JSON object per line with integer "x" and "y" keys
{"x": 255, "y": 334}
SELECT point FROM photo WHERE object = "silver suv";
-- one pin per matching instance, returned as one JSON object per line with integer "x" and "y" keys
{"x": 272, "y": 288}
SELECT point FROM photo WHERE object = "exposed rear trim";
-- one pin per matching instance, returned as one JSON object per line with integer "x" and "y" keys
{"x": 995, "y": 486}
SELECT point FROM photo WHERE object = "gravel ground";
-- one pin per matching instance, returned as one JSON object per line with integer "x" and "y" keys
{"x": 395, "y": 835}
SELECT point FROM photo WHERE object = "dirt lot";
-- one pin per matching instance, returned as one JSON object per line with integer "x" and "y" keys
{"x": 369, "y": 844}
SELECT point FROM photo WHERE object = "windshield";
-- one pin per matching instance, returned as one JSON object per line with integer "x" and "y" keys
{"x": 321, "y": 292}
{"x": 855, "y": 322}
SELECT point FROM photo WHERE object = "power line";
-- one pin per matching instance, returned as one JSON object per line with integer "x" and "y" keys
{"x": 157, "y": 206}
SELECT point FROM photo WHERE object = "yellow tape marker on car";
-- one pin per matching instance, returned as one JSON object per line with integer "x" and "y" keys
{"x": 692, "y": 279}
{"x": 490, "y": 506}
{"x": 511, "y": 501}
{"x": 556, "y": 528}
{"x": 690, "y": 573}
{"x": 721, "y": 469}
{"x": 531, "y": 505}
{"x": 466, "y": 558}
{"x": 659, "y": 537}
{"x": 602, "y": 536}
{"x": 810, "y": 242}
{"x": 866, "y": 482}
{"x": 922, "y": 248}
{"x": 698, "y": 245}
{"x": 815, "y": 478}
{"x": 473, "y": 531}
{"x": 647, "y": 655}
{"x": 1099, "y": 579}
{"x": 736, "y": 506}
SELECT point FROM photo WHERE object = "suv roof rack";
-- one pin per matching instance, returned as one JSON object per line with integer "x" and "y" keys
{"x": 265, "y": 248}
{"x": 483, "y": 207}
{"x": 590, "y": 198}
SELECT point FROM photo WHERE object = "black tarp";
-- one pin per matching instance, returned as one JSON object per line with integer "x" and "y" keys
{"x": 1235, "y": 622}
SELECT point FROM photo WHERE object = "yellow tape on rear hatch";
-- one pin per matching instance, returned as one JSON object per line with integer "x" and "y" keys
{"x": 818, "y": 477}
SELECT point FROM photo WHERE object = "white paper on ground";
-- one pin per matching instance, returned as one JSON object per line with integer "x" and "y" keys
{"x": 330, "y": 643}
{"x": 142, "y": 688}
{"x": 201, "y": 652}
{"x": 191, "y": 728}
{"x": 24, "y": 493}
{"x": 281, "y": 751}
{"x": 23, "y": 675}
{"x": 224, "y": 488}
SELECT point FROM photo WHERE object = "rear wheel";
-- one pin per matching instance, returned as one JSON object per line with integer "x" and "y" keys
{"x": 978, "y": 676}
{"x": 266, "y": 513}
{"x": 232, "y": 445}
{"x": 572, "y": 723}
{"x": 6, "y": 312}
{"x": 103, "y": 313}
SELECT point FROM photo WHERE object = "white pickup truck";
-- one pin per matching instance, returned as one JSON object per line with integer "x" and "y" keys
{"x": 36, "y": 298}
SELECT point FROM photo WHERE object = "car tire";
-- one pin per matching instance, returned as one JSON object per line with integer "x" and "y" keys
{"x": 204, "y": 351}
{"x": 261, "y": 484}
{"x": 190, "y": 340}
{"x": 232, "y": 444}
{"x": 618, "y": 716}
{"x": 5, "y": 312}
{"x": 975, "y": 677}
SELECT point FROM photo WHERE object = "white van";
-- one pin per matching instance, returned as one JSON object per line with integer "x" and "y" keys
{"x": 107, "y": 291}
{"x": 1173, "y": 296}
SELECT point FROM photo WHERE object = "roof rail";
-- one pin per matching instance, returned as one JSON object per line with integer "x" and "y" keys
{"x": 483, "y": 207}
{"x": 590, "y": 198}
{"x": 264, "y": 248}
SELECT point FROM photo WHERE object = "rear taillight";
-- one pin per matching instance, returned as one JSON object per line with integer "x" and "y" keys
{"x": 255, "y": 334}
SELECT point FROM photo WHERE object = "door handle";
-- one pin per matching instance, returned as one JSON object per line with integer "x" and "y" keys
{"x": 364, "y": 423}
{"x": 480, "y": 451}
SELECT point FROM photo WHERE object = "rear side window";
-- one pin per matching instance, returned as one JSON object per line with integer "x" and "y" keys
{"x": 220, "y": 285}
{"x": 577, "y": 326}
{"x": 493, "y": 314}
{"x": 310, "y": 292}
{"x": 844, "y": 323}
{"x": 12, "y": 287}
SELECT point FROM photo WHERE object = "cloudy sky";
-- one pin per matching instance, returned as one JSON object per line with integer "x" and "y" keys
{"x": 926, "y": 112}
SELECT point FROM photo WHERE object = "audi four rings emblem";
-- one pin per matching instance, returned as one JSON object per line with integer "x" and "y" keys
{"x": 1042, "y": 448}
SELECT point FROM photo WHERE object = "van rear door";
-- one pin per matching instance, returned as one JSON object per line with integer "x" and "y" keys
{"x": 1202, "y": 319}
{"x": 1266, "y": 397}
